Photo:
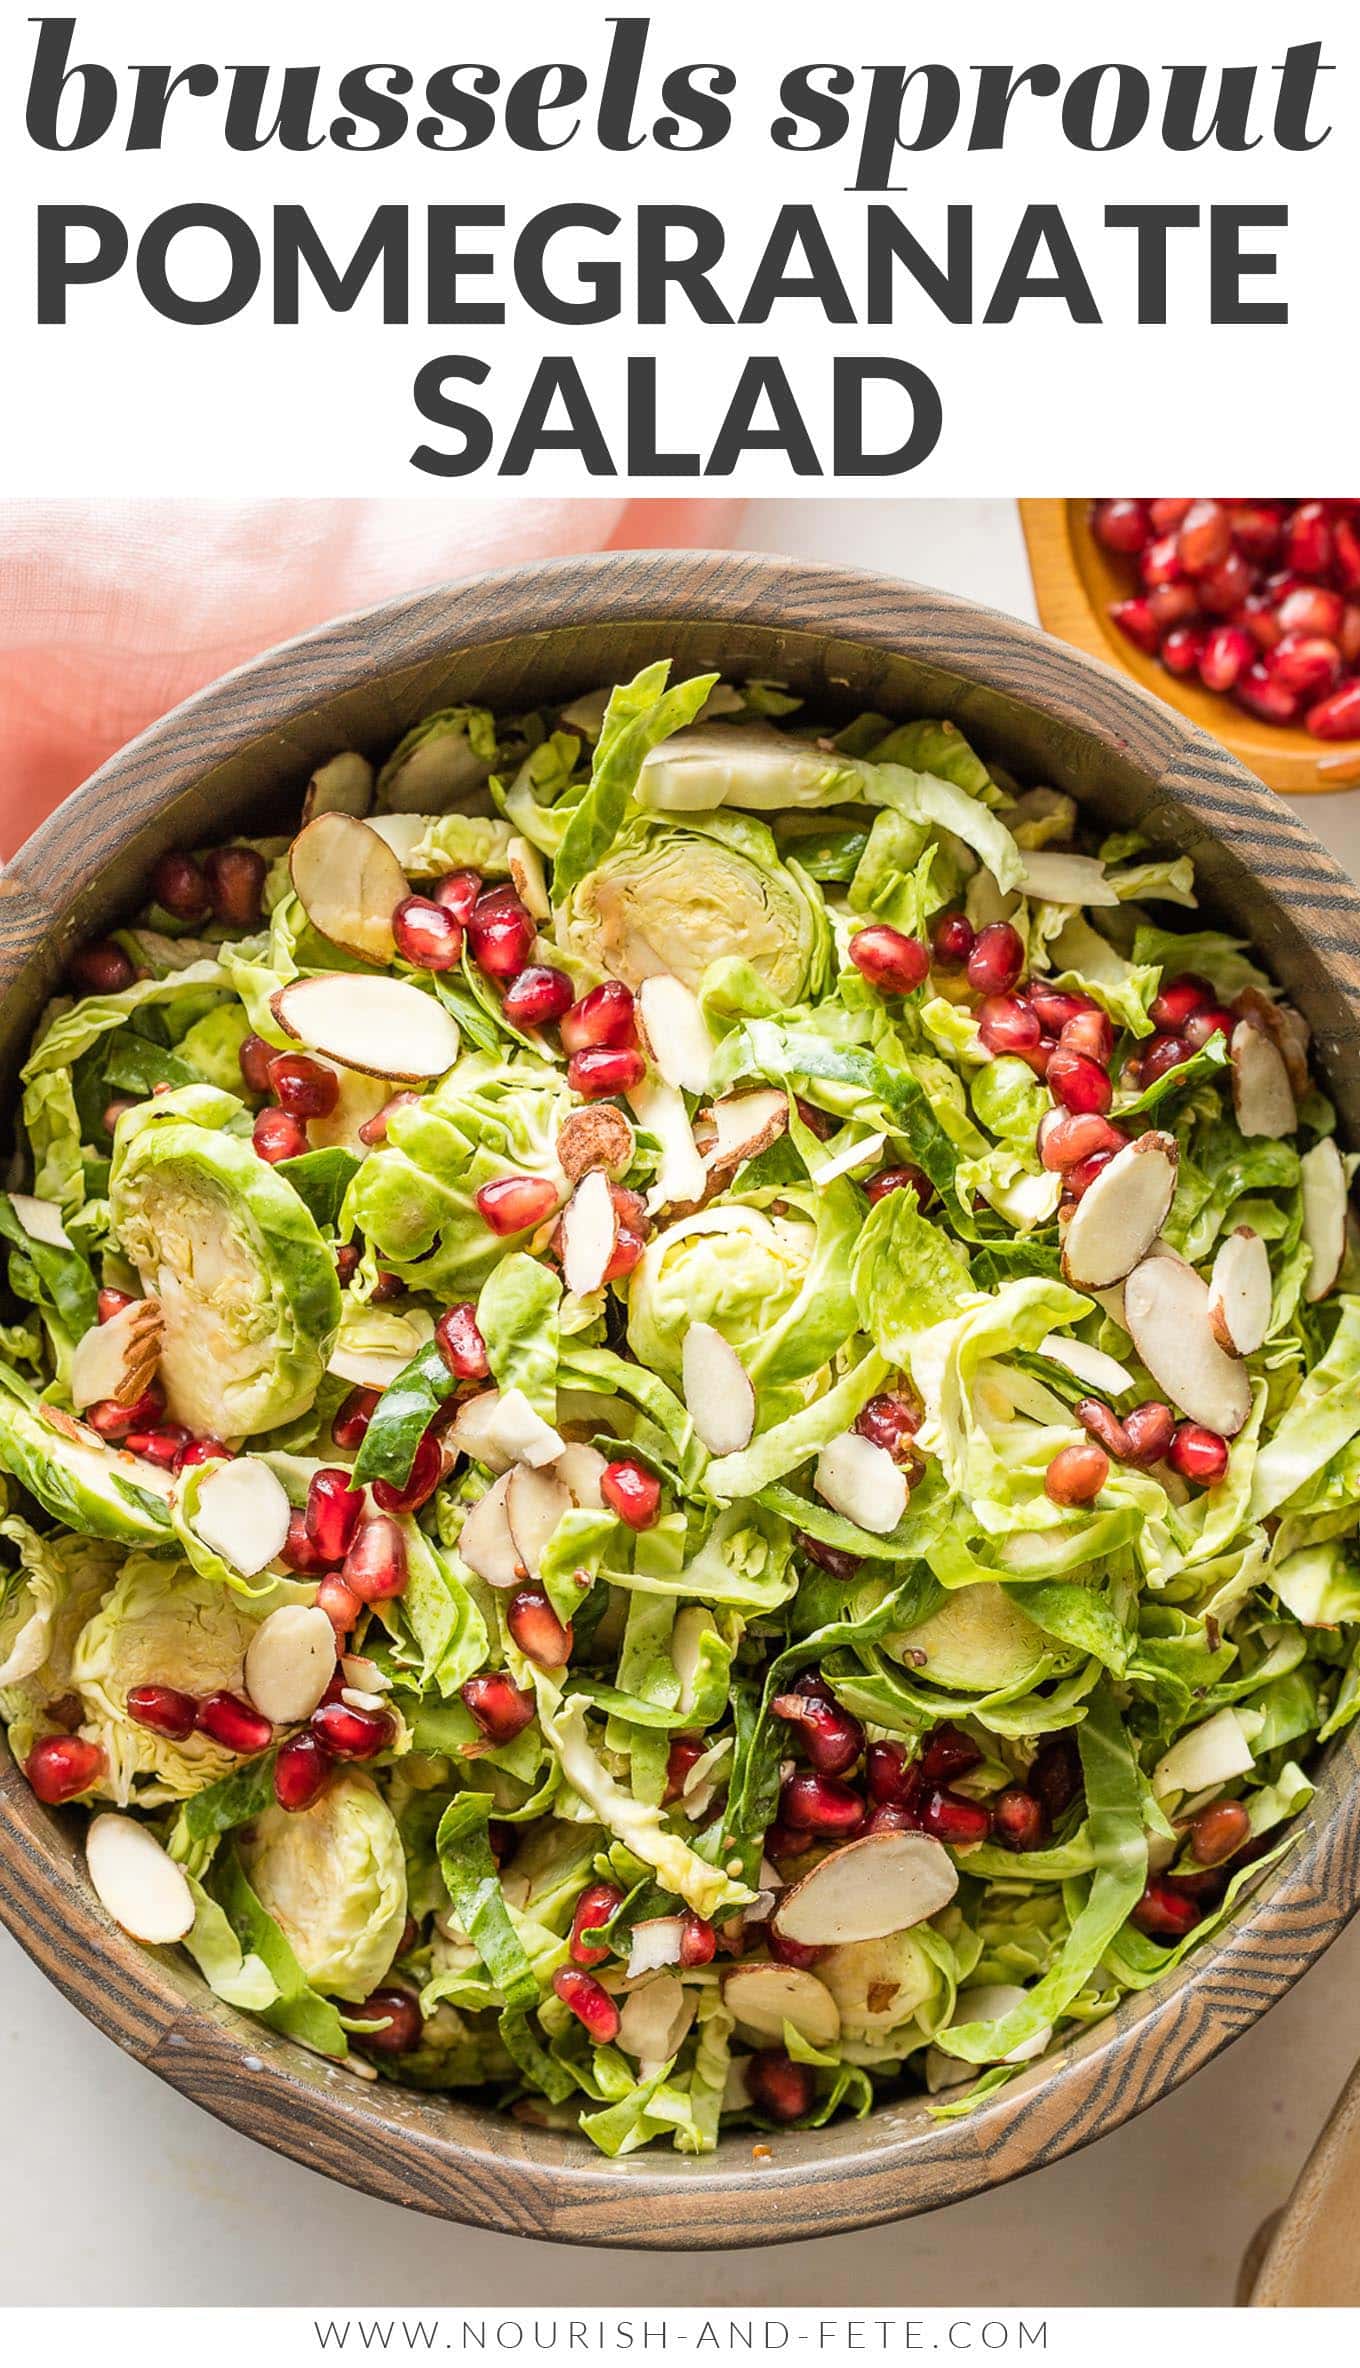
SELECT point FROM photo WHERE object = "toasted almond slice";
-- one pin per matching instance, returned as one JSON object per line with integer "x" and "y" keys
{"x": 521, "y": 1433}
{"x": 344, "y": 785}
{"x": 1166, "y": 1314}
{"x": 290, "y": 1661}
{"x": 41, "y": 1220}
{"x": 655, "y": 2018}
{"x": 1262, "y": 1096}
{"x": 1324, "y": 1216}
{"x": 117, "y": 1359}
{"x": 1212, "y": 1753}
{"x": 599, "y": 1136}
{"x": 527, "y": 876}
{"x": 882, "y": 1883}
{"x": 681, "y": 1178}
{"x": 486, "y": 1541}
{"x": 534, "y": 1502}
{"x": 1120, "y": 1215}
{"x": 1090, "y": 1365}
{"x": 718, "y": 1392}
{"x": 349, "y": 884}
{"x": 653, "y": 1943}
{"x": 242, "y": 1513}
{"x": 858, "y": 1478}
{"x": 1055, "y": 877}
{"x": 136, "y": 1881}
{"x": 745, "y": 1124}
{"x": 473, "y": 1431}
{"x": 589, "y": 1232}
{"x": 580, "y": 1469}
{"x": 843, "y": 1163}
{"x": 383, "y": 1026}
{"x": 1240, "y": 1292}
{"x": 677, "y": 1033}
{"x": 762, "y": 1998}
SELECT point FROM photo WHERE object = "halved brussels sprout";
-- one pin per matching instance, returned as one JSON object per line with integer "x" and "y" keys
{"x": 59, "y": 1585}
{"x": 736, "y": 1268}
{"x": 87, "y": 1486}
{"x": 979, "y": 1641}
{"x": 674, "y": 896}
{"x": 439, "y": 762}
{"x": 245, "y": 1280}
{"x": 333, "y": 1877}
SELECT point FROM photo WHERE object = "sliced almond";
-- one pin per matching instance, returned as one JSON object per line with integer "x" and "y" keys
{"x": 589, "y": 1233}
{"x": 1324, "y": 1216}
{"x": 1212, "y": 1753}
{"x": 117, "y": 1359}
{"x": 1166, "y": 1314}
{"x": 383, "y": 1026}
{"x": 653, "y": 1943}
{"x": 290, "y": 1662}
{"x": 527, "y": 876}
{"x": 858, "y": 1478}
{"x": 1090, "y": 1365}
{"x": 344, "y": 785}
{"x": 1287, "y": 1029}
{"x": 882, "y": 1883}
{"x": 845, "y": 1161}
{"x": 243, "y": 1513}
{"x": 473, "y": 1431}
{"x": 534, "y": 1502}
{"x": 520, "y": 1432}
{"x": 1240, "y": 1293}
{"x": 744, "y": 1124}
{"x": 486, "y": 1541}
{"x": 762, "y": 1998}
{"x": 677, "y": 1033}
{"x": 581, "y": 1469}
{"x": 598, "y": 1136}
{"x": 41, "y": 1220}
{"x": 136, "y": 1881}
{"x": 1262, "y": 1096}
{"x": 1120, "y": 1215}
{"x": 681, "y": 1178}
{"x": 349, "y": 884}
{"x": 718, "y": 1392}
{"x": 655, "y": 2019}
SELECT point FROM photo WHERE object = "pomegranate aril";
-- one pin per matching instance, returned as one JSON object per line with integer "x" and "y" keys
{"x": 1228, "y": 651}
{"x": 375, "y": 1567}
{"x": 338, "y": 1601}
{"x": 602, "y": 1070}
{"x": 101, "y": 969}
{"x": 333, "y": 1510}
{"x": 1055, "y": 1777}
{"x": 1338, "y": 717}
{"x": 515, "y": 1204}
{"x": 1160, "y": 562}
{"x": 204, "y": 1451}
{"x": 947, "y": 1752}
{"x": 1205, "y": 537}
{"x": 802, "y": 1953}
{"x": 428, "y": 936}
{"x": 177, "y": 884}
{"x": 300, "y": 1772}
{"x": 684, "y": 1754}
{"x": 253, "y": 1058}
{"x": 1308, "y": 539}
{"x": 627, "y": 1250}
{"x": 1346, "y": 554}
{"x": 1306, "y": 663}
{"x": 62, "y": 1767}
{"x": 1213, "y": 1020}
{"x": 427, "y": 1470}
{"x": 355, "y": 1413}
{"x": 501, "y": 1708}
{"x": 903, "y": 1179}
{"x": 387, "y": 1287}
{"x": 1198, "y": 1454}
{"x": 1218, "y": 1831}
{"x": 820, "y": 1805}
{"x": 1256, "y": 530}
{"x": 1054, "y": 1007}
{"x": 589, "y": 2001}
{"x": 1079, "y": 1179}
{"x": 164, "y": 1447}
{"x": 353, "y": 1734}
{"x": 1165, "y": 514}
{"x": 1182, "y": 649}
{"x": 952, "y": 1819}
{"x": 500, "y": 933}
{"x": 1348, "y": 637}
{"x": 1171, "y": 605}
{"x": 1017, "y": 1819}
{"x": 458, "y": 893}
{"x": 888, "y": 1773}
{"x": 895, "y": 1817}
{"x": 893, "y": 963}
{"x": 398, "y": 2011}
{"x": 298, "y": 1552}
{"x": 698, "y": 1941}
{"x": 235, "y": 879}
{"x": 1310, "y": 609}
{"x": 224, "y": 1718}
{"x": 1068, "y": 1139}
{"x": 1006, "y": 1025}
{"x": 997, "y": 959}
{"x": 596, "y": 1905}
{"x": 1163, "y": 1054}
{"x": 831, "y": 1738}
{"x": 632, "y": 1492}
{"x": 346, "y": 1264}
{"x": 112, "y": 1303}
{"x": 1258, "y": 691}
{"x": 1164, "y": 1912}
{"x": 606, "y": 1016}
{"x": 1090, "y": 1033}
{"x": 538, "y": 996}
{"x": 892, "y": 1422}
{"x": 951, "y": 940}
{"x": 305, "y": 1088}
{"x": 1077, "y": 1475}
{"x": 780, "y": 2089}
{"x": 536, "y": 1629}
{"x": 460, "y": 1343}
{"x": 374, "y": 1129}
{"x": 833, "y": 1559}
{"x": 1148, "y": 1432}
{"x": 1223, "y": 588}
{"x": 1079, "y": 1083}
{"x": 1135, "y": 620}
{"x": 1121, "y": 526}
{"x": 277, "y": 1135}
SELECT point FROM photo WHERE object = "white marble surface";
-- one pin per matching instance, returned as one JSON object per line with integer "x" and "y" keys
{"x": 114, "y": 2190}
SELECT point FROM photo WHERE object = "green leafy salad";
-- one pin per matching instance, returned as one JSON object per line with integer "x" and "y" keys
{"x": 681, "y": 1408}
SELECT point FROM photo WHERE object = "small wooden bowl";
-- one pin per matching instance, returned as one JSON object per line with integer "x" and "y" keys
{"x": 236, "y": 758}
{"x": 1075, "y": 580}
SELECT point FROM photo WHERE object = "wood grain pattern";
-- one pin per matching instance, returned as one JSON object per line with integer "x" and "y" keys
{"x": 1074, "y": 584}
{"x": 241, "y": 753}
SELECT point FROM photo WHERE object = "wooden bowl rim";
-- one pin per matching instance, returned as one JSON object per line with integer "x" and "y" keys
{"x": 456, "y": 2161}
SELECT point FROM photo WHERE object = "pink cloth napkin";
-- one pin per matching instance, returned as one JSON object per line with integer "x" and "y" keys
{"x": 111, "y": 612}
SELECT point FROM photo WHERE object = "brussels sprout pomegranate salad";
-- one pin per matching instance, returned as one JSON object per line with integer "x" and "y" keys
{"x": 683, "y": 1415}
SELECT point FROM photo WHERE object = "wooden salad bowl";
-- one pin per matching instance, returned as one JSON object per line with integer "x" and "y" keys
{"x": 1075, "y": 580}
{"x": 236, "y": 757}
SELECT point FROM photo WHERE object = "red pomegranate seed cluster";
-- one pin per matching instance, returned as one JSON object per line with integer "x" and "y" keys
{"x": 1258, "y": 599}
